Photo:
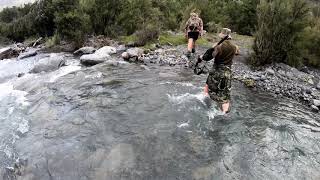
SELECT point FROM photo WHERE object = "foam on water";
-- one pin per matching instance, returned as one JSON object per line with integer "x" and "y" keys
{"x": 7, "y": 89}
{"x": 179, "y": 99}
{"x": 64, "y": 71}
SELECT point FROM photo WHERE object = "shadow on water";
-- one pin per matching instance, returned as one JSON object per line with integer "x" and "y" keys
{"x": 125, "y": 122}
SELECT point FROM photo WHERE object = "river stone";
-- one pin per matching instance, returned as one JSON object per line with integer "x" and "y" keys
{"x": 106, "y": 50}
{"x": 85, "y": 50}
{"x": 318, "y": 86}
{"x": 48, "y": 64}
{"x": 121, "y": 48}
{"x": 100, "y": 56}
{"x": 93, "y": 59}
{"x": 310, "y": 81}
{"x": 270, "y": 71}
{"x": 27, "y": 54}
{"x": 316, "y": 102}
{"x": 315, "y": 108}
{"x": 6, "y": 53}
{"x": 135, "y": 52}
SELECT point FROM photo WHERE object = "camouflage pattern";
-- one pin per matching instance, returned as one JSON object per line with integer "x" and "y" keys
{"x": 194, "y": 21}
{"x": 219, "y": 83}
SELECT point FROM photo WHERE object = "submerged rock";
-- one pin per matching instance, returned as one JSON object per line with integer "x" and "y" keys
{"x": 27, "y": 54}
{"x": 85, "y": 50}
{"x": 315, "y": 108}
{"x": 48, "y": 64}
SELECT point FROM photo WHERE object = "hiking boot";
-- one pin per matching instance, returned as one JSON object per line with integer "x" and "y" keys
{"x": 193, "y": 50}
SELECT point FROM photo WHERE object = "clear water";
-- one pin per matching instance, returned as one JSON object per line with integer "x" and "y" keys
{"x": 120, "y": 121}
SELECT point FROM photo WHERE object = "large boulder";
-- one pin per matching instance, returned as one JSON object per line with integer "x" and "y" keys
{"x": 100, "y": 56}
{"x": 52, "y": 63}
{"x": 106, "y": 50}
{"x": 85, "y": 50}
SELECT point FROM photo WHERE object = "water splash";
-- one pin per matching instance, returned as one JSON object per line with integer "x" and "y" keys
{"x": 64, "y": 71}
{"x": 7, "y": 89}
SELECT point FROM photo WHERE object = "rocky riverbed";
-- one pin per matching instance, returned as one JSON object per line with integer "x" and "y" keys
{"x": 147, "y": 118}
{"x": 279, "y": 80}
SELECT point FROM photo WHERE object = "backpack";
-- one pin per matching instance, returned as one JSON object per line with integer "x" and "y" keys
{"x": 194, "y": 24}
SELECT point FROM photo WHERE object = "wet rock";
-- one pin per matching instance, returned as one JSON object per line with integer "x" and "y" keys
{"x": 28, "y": 53}
{"x": 48, "y": 64}
{"x": 20, "y": 75}
{"x": 7, "y": 53}
{"x": 316, "y": 102}
{"x": 78, "y": 121}
{"x": 314, "y": 108}
{"x": 318, "y": 86}
{"x": 85, "y": 50}
{"x": 310, "y": 81}
{"x": 100, "y": 56}
{"x": 121, "y": 48}
{"x": 145, "y": 67}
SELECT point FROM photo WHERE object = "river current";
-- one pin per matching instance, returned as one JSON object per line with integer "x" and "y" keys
{"x": 126, "y": 121}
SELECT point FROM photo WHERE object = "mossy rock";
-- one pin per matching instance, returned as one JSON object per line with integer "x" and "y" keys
{"x": 249, "y": 83}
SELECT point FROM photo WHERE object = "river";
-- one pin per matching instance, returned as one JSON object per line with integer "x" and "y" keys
{"x": 124, "y": 121}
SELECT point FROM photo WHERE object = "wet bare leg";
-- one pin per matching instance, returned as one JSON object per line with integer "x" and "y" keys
{"x": 190, "y": 44}
{"x": 225, "y": 108}
{"x": 206, "y": 90}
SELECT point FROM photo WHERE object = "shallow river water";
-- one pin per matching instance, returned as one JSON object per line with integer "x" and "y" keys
{"x": 123, "y": 121}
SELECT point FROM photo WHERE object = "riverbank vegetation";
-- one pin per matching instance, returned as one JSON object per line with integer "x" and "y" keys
{"x": 289, "y": 35}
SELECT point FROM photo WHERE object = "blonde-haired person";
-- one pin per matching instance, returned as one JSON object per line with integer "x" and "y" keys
{"x": 193, "y": 29}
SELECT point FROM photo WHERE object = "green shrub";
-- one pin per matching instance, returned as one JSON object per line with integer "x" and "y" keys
{"x": 72, "y": 26}
{"x": 280, "y": 24}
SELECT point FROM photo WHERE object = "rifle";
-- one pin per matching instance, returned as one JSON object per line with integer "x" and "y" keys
{"x": 207, "y": 55}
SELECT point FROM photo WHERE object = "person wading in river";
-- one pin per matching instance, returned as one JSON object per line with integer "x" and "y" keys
{"x": 218, "y": 83}
{"x": 193, "y": 29}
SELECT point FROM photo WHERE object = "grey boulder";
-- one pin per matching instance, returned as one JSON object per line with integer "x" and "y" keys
{"x": 100, "y": 56}
{"x": 29, "y": 53}
{"x": 316, "y": 102}
{"x": 48, "y": 64}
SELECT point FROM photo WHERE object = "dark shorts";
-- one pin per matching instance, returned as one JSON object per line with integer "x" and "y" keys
{"x": 193, "y": 35}
{"x": 219, "y": 84}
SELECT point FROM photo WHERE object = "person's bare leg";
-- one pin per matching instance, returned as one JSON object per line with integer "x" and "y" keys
{"x": 206, "y": 90}
{"x": 190, "y": 44}
{"x": 225, "y": 107}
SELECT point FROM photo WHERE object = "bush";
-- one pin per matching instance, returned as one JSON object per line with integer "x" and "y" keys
{"x": 280, "y": 24}
{"x": 72, "y": 26}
